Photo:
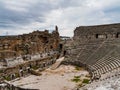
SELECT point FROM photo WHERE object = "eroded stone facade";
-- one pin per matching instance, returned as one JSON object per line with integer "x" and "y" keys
{"x": 96, "y": 48}
{"x": 98, "y": 31}
{"x": 35, "y": 42}
{"x": 27, "y": 46}
{"x": 20, "y": 54}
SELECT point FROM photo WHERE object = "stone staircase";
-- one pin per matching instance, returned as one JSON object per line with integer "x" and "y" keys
{"x": 97, "y": 56}
{"x": 57, "y": 64}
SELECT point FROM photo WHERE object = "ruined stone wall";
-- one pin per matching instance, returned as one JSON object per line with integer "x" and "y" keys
{"x": 8, "y": 86}
{"x": 32, "y": 43}
{"x": 98, "y": 31}
{"x": 10, "y": 73}
{"x": 96, "y": 48}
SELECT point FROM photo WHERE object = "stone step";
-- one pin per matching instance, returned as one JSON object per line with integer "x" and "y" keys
{"x": 57, "y": 64}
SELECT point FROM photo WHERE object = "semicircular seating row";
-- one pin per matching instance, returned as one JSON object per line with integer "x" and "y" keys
{"x": 99, "y": 58}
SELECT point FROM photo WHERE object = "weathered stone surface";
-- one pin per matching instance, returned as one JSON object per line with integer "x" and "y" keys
{"x": 96, "y": 48}
{"x": 98, "y": 31}
{"x": 32, "y": 43}
{"x": 19, "y": 54}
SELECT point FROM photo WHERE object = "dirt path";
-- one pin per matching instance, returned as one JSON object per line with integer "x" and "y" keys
{"x": 58, "y": 79}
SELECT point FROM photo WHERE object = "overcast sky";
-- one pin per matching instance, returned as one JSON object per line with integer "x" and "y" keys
{"x": 24, "y": 16}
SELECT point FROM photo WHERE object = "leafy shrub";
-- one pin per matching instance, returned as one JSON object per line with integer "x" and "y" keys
{"x": 76, "y": 79}
{"x": 78, "y": 68}
{"x": 17, "y": 75}
{"x": 86, "y": 81}
{"x": 1, "y": 71}
{"x": 76, "y": 76}
{"x": 35, "y": 67}
{"x": 7, "y": 78}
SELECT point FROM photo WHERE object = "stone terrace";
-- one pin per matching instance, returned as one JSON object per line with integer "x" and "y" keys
{"x": 96, "y": 48}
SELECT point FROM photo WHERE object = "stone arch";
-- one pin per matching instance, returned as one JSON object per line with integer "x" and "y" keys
{"x": 28, "y": 69}
{"x": 12, "y": 76}
{"x": 51, "y": 47}
{"x": 60, "y": 46}
{"x": 44, "y": 64}
{"x": 64, "y": 53}
{"x": 101, "y": 36}
{"x": 20, "y": 67}
{"x": 21, "y": 73}
{"x": 30, "y": 66}
{"x": 117, "y": 35}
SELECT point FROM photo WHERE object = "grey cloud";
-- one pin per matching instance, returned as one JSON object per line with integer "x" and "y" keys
{"x": 35, "y": 13}
{"x": 74, "y": 12}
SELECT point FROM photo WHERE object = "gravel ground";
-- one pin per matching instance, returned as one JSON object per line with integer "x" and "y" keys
{"x": 58, "y": 79}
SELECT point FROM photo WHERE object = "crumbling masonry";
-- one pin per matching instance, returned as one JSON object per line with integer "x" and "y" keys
{"x": 19, "y": 54}
{"x": 97, "y": 48}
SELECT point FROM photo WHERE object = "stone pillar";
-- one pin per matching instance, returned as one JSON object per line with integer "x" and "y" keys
{"x": 56, "y": 28}
{"x": 43, "y": 64}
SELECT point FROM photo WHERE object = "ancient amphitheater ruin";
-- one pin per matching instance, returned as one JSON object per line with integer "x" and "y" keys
{"x": 95, "y": 48}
